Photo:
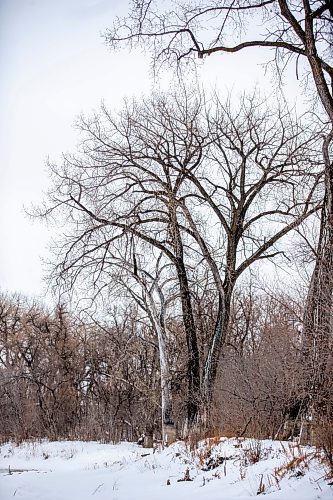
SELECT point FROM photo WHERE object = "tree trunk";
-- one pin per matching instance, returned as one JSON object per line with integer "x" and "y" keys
{"x": 193, "y": 367}
{"x": 193, "y": 364}
{"x": 210, "y": 368}
{"x": 318, "y": 311}
{"x": 214, "y": 352}
{"x": 168, "y": 427}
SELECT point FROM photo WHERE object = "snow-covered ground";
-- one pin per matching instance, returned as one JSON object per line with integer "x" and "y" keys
{"x": 67, "y": 470}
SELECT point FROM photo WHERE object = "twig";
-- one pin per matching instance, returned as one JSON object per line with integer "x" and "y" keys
{"x": 98, "y": 487}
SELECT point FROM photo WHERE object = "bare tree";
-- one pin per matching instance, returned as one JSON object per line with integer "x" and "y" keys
{"x": 266, "y": 388}
{"x": 179, "y": 32}
{"x": 150, "y": 296}
{"x": 138, "y": 158}
{"x": 301, "y": 31}
{"x": 255, "y": 153}
{"x": 199, "y": 189}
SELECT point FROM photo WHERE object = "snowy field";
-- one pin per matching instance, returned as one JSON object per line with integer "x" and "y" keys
{"x": 68, "y": 470}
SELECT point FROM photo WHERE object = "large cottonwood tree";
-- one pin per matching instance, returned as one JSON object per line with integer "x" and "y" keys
{"x": 298, "y": 32}
{"x": 194, "y": 186}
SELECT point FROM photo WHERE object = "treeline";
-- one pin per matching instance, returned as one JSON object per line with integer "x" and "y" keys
{"x": 62, "y": 377}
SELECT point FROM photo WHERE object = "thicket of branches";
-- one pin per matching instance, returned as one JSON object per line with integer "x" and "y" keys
{"x": 66, "y": 378}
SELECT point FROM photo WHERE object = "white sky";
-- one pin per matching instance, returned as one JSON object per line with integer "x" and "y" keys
{"x": 54, "y": 65}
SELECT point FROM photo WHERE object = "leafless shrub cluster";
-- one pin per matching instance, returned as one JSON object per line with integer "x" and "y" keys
{"x": 266, "y": 374}
{"x": 61, "y": 378}
{"x": 65, "y": 378}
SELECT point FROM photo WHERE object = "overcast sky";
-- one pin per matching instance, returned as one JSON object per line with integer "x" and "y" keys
{"x": 54, "y": 65}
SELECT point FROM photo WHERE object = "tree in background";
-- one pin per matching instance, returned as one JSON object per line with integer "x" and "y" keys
{"x": 62, "y": 377}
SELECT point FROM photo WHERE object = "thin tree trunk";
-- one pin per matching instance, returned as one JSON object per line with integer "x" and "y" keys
{"x": 214, "y": 352}
{"x": 210, "y": 368}
{"x": 168, "y": 427}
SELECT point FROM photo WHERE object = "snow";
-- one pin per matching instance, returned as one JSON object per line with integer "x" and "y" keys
{"x": 69, "y": 470}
